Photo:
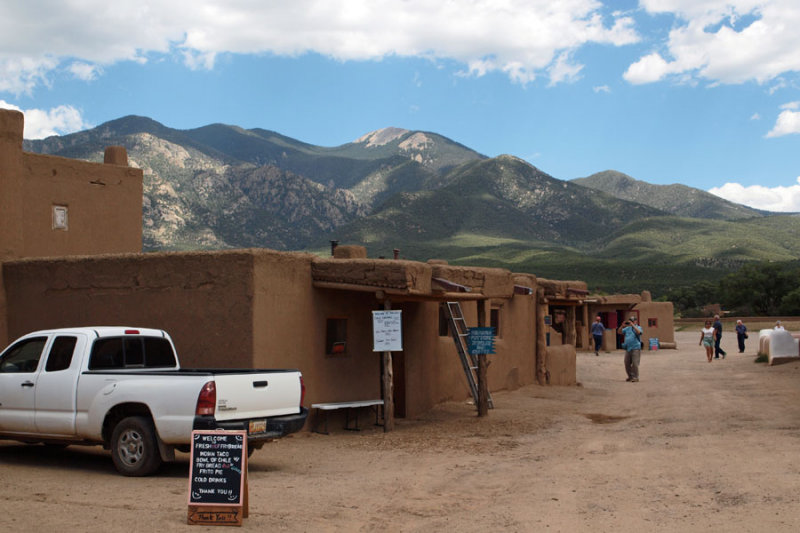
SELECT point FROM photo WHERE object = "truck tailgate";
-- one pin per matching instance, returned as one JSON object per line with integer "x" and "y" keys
{"x": 257, "y": 395}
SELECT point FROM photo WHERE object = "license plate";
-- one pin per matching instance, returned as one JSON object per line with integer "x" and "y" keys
{"x": 258, "y": 426}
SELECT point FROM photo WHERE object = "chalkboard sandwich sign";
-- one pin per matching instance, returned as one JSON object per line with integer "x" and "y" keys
{"x": 218, "y": 478}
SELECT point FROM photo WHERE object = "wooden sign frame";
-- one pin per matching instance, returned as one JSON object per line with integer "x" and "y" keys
{"x": 212, "y": 461}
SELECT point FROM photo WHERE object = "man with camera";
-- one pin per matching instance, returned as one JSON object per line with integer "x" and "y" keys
{"x": 633, "y": 347}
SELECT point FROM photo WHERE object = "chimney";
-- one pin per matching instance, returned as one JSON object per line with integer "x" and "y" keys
{"x": 334, "y": 244}
{"x": 396, "y": 252}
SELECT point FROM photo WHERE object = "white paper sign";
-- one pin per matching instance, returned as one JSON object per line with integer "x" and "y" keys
{"x": 387, "y": 333}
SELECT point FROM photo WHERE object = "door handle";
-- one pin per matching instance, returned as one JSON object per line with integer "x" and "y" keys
{"x": 26, "y": 384}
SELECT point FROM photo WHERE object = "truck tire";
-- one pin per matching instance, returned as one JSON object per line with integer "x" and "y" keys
{"x": 134, "y": 448}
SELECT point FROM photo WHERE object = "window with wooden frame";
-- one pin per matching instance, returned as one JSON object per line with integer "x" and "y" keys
{"x": 652, "y": 322}
{"x": 336, "y": 337}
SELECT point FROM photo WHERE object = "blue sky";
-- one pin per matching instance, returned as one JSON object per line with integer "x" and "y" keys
{"x": 705, "y": 93}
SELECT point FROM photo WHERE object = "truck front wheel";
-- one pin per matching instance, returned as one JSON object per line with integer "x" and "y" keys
{"x": 134, "y": 448}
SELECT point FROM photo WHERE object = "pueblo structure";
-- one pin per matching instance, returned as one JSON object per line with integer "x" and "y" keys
{"x": 70, "y": 246}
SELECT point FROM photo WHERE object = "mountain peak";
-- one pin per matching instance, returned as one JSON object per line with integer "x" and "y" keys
{"x": 676, "y": 199}
{"x": 381, "y": 137}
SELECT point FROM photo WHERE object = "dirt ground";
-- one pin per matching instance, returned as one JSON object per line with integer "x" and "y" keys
{"x": 694, "y": 446}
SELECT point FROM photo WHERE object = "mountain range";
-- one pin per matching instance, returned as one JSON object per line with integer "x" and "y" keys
{"x": 222, "y": 186}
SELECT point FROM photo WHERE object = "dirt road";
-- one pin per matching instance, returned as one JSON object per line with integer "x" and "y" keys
{"x": 694, "y": 446}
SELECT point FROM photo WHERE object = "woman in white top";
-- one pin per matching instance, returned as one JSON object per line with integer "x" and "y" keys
{"x": 778, "y": 325}
{"x": 707, "y": 340}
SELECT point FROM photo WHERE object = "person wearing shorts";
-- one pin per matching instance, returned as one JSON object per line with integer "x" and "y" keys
{"x": 707, "y": 335}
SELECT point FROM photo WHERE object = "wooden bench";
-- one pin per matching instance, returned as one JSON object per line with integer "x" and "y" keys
{"x": 377, "y": 406}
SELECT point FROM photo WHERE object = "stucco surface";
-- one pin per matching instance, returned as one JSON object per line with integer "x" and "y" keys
{"x": 196, "y": 297}
{"x": 491, "y": 282}
{"x": 104, "y": 207}
{"x": 389, "y": 273}
{"x": 561, "y": 365}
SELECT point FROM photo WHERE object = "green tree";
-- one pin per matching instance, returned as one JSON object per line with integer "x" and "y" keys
{"x": 790, "y": 303}
{"x": 689, "y": 300}
{"x": 759, "y": 288}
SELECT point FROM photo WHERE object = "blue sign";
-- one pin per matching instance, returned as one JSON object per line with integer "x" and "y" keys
{"x": 481, "y": 340}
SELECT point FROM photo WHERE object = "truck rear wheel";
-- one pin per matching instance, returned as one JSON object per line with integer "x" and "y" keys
{"x": 134, "y": 448}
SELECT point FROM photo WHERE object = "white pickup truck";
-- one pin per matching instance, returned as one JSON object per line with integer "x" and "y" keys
{"x": 123, "y": 388}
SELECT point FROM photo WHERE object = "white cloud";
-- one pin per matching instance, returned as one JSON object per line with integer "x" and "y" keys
{"x": 780, "y": 199}
{"x": 648, "y": 69}
{"x": 788, "y": 121}
{"x": 755, "y": 116}
{"x": 602, "y": 89}
{"x": 727, "y": 41}
{"x": 563, "y": 69}
{"x": 84, "y": 71}
{"x": 57, "y": 121}
{"x": 522, "y": 38}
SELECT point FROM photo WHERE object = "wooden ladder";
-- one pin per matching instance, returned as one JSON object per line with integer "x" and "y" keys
{"x": 460, "y": 332}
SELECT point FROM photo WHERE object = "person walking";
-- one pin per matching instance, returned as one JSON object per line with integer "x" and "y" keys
{"x": 633, "y": 347}
{"x": 717, "y": 338}
{"x": 707, "y": 339}
{"x": 597, "y": 332}
{"x": 741, "y": 334}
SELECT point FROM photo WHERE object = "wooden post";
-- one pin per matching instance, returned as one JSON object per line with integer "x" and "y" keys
{"x": 587, "y": 324}
{"x": 569, "y": 327}
{"x": 388, "y": 384}
{"x": 483, "y": 384}
{"x": 541, "y": 338}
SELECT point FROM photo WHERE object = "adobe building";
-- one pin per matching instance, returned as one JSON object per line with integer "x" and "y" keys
{"x": 656, "y": 318}
{"x": 53, "y": 206}
{"x": 82, "y": 266}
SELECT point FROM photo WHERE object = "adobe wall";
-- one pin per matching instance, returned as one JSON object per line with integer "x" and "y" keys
{"x": 660, "y": 313}
{"x": 289, "y": 327}
{"x": 11, "y": 126}
{"x": 103, "y": 202}
{"x": 514, "y": 364}
{"x": 201, "y": 299}
{"x": 561, "y": 365}
{"x": 433, "y": 370}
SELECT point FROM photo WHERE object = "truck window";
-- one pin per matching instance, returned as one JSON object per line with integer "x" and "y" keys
{"x": 60, "y": 355}
{"x": 23, "y": 356}
{"x": 158, "y": 353}
{"x": 134, "y": 351}
{"x": 131, "y": 352}
{"x": 106, "y": 353}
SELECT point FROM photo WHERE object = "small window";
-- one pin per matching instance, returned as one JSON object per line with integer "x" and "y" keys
{"x": 60, "y": 356}
{"x": 444, "y": 323}
{"x": 494, "y": 320}
{"x": 652, "y": 322}
{"x": 23, "y": 357}
{"x": 60, "y": 217}
{"x": 336, "y": 336}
